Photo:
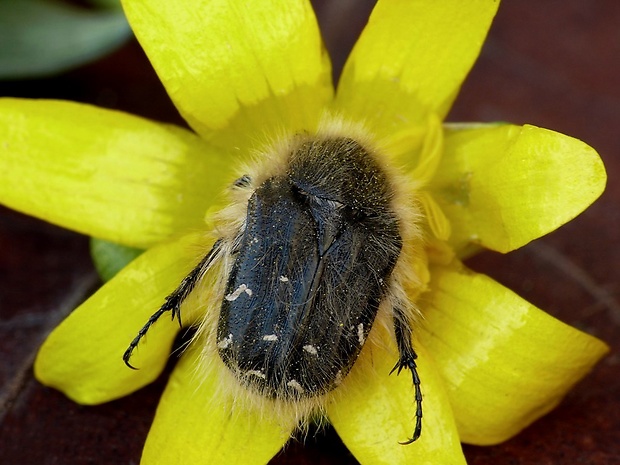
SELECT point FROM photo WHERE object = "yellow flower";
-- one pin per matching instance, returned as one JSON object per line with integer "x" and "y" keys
{"x": 490, "y": 363}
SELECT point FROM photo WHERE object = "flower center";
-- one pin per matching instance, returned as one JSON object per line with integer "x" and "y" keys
{"x": 430, "y": 140}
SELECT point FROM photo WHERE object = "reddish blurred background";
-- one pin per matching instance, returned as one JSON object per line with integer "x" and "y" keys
{"x": 554, "y": 64}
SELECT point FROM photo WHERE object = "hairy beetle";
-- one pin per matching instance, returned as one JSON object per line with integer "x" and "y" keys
{"x": 307, "y": 271}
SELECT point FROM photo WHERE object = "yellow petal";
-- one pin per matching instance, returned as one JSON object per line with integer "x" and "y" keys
{"x": 411, "y": 60}
{"x": 104, "y": 173}
{"x": 505, "y": 363}
{"x": 193, "y": 427}
{"x": 503, "y": 186}
{"x": 376, "y": 411}
{"x": 83, "y": 357}
{"x": 235, "y": 70}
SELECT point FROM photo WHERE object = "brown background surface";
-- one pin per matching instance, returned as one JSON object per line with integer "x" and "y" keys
{"x": 555, "y": 64}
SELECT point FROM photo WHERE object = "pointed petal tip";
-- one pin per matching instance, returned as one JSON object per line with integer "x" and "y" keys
{"x": 505, "y": 362}
{"x": 502, "y": 186}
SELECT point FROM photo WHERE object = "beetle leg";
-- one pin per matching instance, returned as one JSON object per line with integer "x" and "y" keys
{"x": 407, "y": 360}
{"x": 173, "y": 301}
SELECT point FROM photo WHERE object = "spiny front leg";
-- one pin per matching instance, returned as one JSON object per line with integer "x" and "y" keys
{"x": 173, "y": 301}
{"x": 407, "y": 360}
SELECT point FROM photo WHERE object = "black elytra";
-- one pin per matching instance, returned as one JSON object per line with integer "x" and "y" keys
{"x": 310, "y": 268}
{"x": 319, "y": 244}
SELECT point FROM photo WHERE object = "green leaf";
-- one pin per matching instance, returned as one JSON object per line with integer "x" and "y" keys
{"x": 39, "y": 37}
{"x": 110, "y": 258}
{"x": 112, "y": 4}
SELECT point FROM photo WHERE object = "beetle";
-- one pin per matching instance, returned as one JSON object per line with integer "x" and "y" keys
{"x": 307, "y": 270}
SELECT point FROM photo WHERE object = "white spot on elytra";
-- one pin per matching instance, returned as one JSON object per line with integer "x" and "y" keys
{"x": 338, "y": 379}
{"x": 360, "y": 333}
{"x": 284, "y": 279}
{"x": 257, "y": 373}
{"x": 310, "y": 349}
{"x": 224, "y": 343}
{"x": 243, "y": 288}
{"x": 295, "y": 385}
{"x": 270, "y": 337}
